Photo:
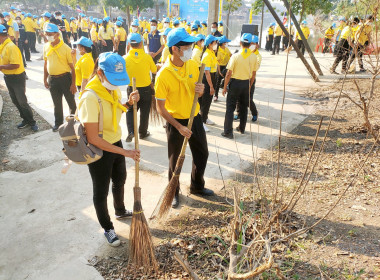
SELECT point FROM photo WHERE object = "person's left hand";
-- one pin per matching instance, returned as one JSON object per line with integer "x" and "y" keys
{"x": 199, "y": 88}
{"x": 73, "y": 88}
{"x": 134, "y": 96}
{"x": 224, "y": 92}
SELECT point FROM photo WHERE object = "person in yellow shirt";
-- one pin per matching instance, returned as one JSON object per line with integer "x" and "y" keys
{"x": 84, "y": 26}
{"x": 240, "y": 77}
{"x": 188, "y": 27}
{"x": 221, "y": 27}
{"x": 139, "y": 65}
{"x": 13, "y": 30}
{"x": 306, "y": 32}
{"x": 204, "y": 28}
{"x": 198, "y": 49}
{"x": 165, "y": 52}
{"x": 13, "y": 12}
{"x": 11, "y": 65}
{"x": 30, "y": 29}
{"x": 104, "y": 88}
{"x": 67, "y": 27}
{"x": 175, "y": 86}
{"x": 209, "y": 79}
{"x": 145, "y": 36}
{"x": 84, "y": 67}
{"x": 94, "y": 32}
{"x": 120, "y": 38}
{"x": 344, "y": 45}
{"x": 223, "y": 57}
{"x": 74, "y": 28}
{"x": 59, "y": 73}
{"x": 329, "y": 34}
{"x": 277, "y": 40}
{"x": 342, "y": 25}
{"x": 106, "y": 36}
{"x": 194, "y": 29}
{"x": 269, "y": 42}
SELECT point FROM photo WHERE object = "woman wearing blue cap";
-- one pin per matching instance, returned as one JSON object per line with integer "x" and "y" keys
{"x": 106, "y": 36}
{"x": 306, "y": 32}
{"x": 109, "y": 74}
{"x": 198, "y": 49}
{"x": 329, "y": 33}
{"x": 223, "y": 57}
{"x": 120, "y": 38}
{"x": 85, "y": 65}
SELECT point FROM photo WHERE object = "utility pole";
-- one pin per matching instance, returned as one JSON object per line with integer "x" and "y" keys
{"x": 262, "y": 23}
{"x": 213, "y": 8}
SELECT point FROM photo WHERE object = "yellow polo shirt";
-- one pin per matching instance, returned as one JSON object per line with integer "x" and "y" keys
{"x": 209, "y": 59}
{"x": 58, "y": 61}
{"x": 165, "y": 54}
{"x": 221, "y": 29}
{"x": 120, "y": 31}
{"x": 30, "y": 25}
{"x": 329, "y": 33}
{"x": 197, "y": 54}
{"x": 84, "y": 25}
{"x": 223, "y": 56}
{"x": 306, "y": 31}
{"x": 242, "y": 64}
{"x": 278, "y": 31}
{"x": 74, "y": 26}
{"x": 139, "y": 65}
{"x": 270, "y": 31}
{"x": 84, "y": 68}
{"x": 178, "y": 101}
{"x": 88, "y": 111}
{"x": 259, "y": 58}
{"x": 10, "y": 54}
{"x": 106, "y": 34}
{"x": 67, "y": 25}
{"x": 362, "y": 34}
{"x": 346, "y": 32}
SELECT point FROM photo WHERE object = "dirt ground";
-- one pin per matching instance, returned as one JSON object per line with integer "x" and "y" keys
{"x": 346, "y": 245}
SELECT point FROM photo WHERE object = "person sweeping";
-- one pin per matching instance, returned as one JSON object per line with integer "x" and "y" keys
{"x": 176, "y": 84}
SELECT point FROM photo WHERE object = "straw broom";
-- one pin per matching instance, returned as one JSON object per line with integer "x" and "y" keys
{"x": 166, "y": 199}
{"x": 141, "y": 244}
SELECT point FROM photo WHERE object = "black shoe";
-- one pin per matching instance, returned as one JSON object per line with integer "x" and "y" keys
{"x": 130, "y": 137}
{"x": 202, "y": 192}
{"x": 34, "y": 128}
{"x": 26, "y": 77}
{"x": 29, "y": 60}
{"x": 22, "y": 125}
{"x": 239, "y": 130}
{"x": 175, "y": 202}
{"x": 142, "y": 136}
{"x": 333, "y": 72}
{"x": 55, "y": 128}
{"x": 272, "y": 54}
{"x": 254, "y": 118}
{"x": 126, "y": 214}
{"x": 228, "y": 135}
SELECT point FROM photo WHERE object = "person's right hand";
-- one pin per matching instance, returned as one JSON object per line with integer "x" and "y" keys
{"x": 224, "y": 92}
{"x": 133, "y": 154}
{"x": 212, "y": 91}
{"x": 47, "y": 84}
{"x": 73, "y": 51}
{"x": 185, "y": 132}
{"x": 104, "y": 43}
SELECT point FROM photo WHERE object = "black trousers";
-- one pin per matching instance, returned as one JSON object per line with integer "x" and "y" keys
{"x": 343, "y": 53}
{"x": 198, "y": 147}
{"x": 301, "y": 46}
{"x": 285, "y": 42}
{"x": 237, "y": 92}
{"x": 75, "y": 36}
{"x": 269, "y": 43}
{"x": 360, "y": 52}
{"x": 26, "y": 48}
{"x": 110, "y": 167}
{"x": 143, "y": 105}
{"x": 252, "y": 105}
{"x": 336, "y": 48}
{"x": 122, "y": 48}
{"x": 108, "y": 47}
{"x": 276, "y": 45}
{"x": 31, "y": 36}
{"x": 84, "y": 34}
{"x": 219, "y": 80}
{"x": 206, "y": 99}
{"x": 327, "y": 45}
{"x": 16, "y": 87}
{"x": 59, "y": 87}
{"x": 20, "y": 45}
{"x": 157, "y": 58}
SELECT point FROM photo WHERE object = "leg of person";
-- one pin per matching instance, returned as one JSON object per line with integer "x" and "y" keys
{"x": 56, "y": 95}
{"x": 230, "y": 108}
{"x": 274, "y": 46}
{"x": 278, "y": 44}
{"x": 302, "y": 47}
{"x": 21, "y": 48}
{"x": 119, "y": 175}
{"x": 129, "y": 118}
{"x": 146, "y": 103}
{"x": 33, "y": 42}
{"x": 121, "y": 50}
{"x": 199, "y": 151}
{"x": 299, "y": 45}
{"x": 252, "y": 105}
{"x": 27, "y": 50}
{"x": 207, "y": 98}
{"x": 243, "y": 97}
{"x": 361, "y": 49}
{"x": 204, "y": 99}
{"x": 65, "y": 88}
{"x": 270, "y": 42}
{"x": 16, "y": 85}
{"x": 75, "y": 36}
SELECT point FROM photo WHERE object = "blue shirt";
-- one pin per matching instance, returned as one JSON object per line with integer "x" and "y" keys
{"x": 154, "y": 42}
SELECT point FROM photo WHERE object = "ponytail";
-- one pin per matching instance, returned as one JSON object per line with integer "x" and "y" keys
{"x": 94, "y": 53}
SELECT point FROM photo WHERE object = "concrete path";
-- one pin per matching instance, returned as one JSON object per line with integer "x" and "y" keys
{"x": 48, "y": 222}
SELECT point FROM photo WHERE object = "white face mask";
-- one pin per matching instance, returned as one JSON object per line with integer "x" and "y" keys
{"x": 215, "y": 47}
{"x": 203, "y": 45}
{"x": 213, "y": 30}
{"x": 153, "y": 28}
{"x": 134, "y": 29}
{"x": 186, "y": 55}
{"x": 166, "y": 25}
{"x": 58, "y": 17}
{"x": 109, "y": 86}
{"x": 7, "y": 19}
{"x": 19, "y": 21}
{"x": 51, "y": 38}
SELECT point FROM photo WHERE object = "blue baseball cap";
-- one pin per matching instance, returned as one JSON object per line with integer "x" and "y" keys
{"x": 255, "y": 39}
{"x": 113, "y": 66}
{"x": 106, "y": 19}
{"x": 304, "y": 22}
{"x": 63, "y": 16}
{"x": 272, "y": 24}
{"x": 119, "y": 23}
{"x": 35, "y": 16}
{"x": 342, "y": 19}
{"x": 134, "y": 38}
{"x": 200, "y": 37}
{"x": 95, "y": 20}
{"x": 221, "y": 22}
{"x": 5, "y": 14}
{"x": 210, "y": 39}
{"x": 50, "y": 27}
{"x": 13, "y": 8}
{"x": 72, "y": 18}
{"x": 3, "y": 29}
{"x": 47, "y": 14}
{"x": 23, "y": 13}
{"x": 246, "y": 38}
{"x": 100, "y": 21}
{"x": 166, "y": 32}
{"x": 119, "y": 18}
{"x": 188, "y": 23}
{"x": 179, "y": 35}
{"x": 167, "y": 20}
{"x": 153, "y": 18}
{"x": 28, "y": 15}
{"x": 333, "y": 25}
{"x": 176, "y": 22}
{"x": 195, "y": 26}
{"x": 223, "y": 40}
{"x": 84, "y": 42}
{"x": 204, "y": 22}
{"x": 135, "y": 23}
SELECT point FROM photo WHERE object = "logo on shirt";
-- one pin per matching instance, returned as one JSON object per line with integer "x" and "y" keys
{"x": 119, "y": 67}
{"x": 136, "y": 54}
{"x": 191, "y": 75}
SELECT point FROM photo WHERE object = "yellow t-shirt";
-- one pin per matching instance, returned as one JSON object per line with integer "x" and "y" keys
{"x": 362, "y": 34}
{"x": 88, "y": 111}
{"x": 278, "y": 31}
{"x": 106, "y": 35}
{"x": 346, "y": 32}
{"x": 11, "y": 31}
{"x": 139, "y": 65}
{"x": 93, "y": 34}
{"x": 188, "y": 29}
{"x": 13, "y": 15}
{"x": 84, "y": 25}
{"x": 10, "y": 54}
{"x": 209, "y": 59}
{"x": 329, "y": 33}
{"x": 165, "y": 54}
{"x": 270, "y": 31}
{"x": 242, "y": 64}
{"x": 67, "y": 25}
{"x": 259, "y": 58}
{"x": 306, "y": 31}
{"x": 30, "y": 25}
{"x": 220, "y": 29}
{"x": 197, "y": 54}
{"x": 178, "y": 101}
{"x": 120, "y": 31}
{"x": 84, "y": 68}
{"x": 74, "y": 27}
{"x": 58, "y": 64}
{"x": 223, "y": 56}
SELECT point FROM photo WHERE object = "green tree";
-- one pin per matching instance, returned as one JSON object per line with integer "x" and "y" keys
{"x": 129, "y": 5}
{"x": 231, "y": 6}
{"x": 84, "y": 4}
{"x": 356, "y": 8}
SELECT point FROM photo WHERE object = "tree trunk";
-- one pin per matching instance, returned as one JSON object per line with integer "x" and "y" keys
{"x": 302, "y": 11}
{"x": 228, "y": 20}
{"x": 128, "y": 17}
{"x": 262, "y": 23}
{"x": 157, "y": 10}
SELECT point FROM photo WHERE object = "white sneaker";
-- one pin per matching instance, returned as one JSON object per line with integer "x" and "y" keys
{"x": 206, "y": 128}
{"x": 209, "y": 122}
{"x": 112, "y": 238}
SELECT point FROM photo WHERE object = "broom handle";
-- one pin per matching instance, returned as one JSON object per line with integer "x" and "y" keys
{"x": 135, "y": 129}
{"x": 195, "y": 101}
